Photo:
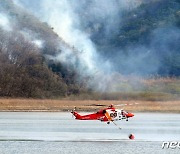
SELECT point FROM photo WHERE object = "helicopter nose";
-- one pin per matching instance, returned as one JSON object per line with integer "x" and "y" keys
{"x": 128, "y": 115}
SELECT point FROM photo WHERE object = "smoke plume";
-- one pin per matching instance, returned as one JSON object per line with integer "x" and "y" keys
{"x": 89, "y": 26}
{"x": 4, "y": 22}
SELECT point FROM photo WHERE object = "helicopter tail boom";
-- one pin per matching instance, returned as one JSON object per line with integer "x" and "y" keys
{"x": 77, "y": 115}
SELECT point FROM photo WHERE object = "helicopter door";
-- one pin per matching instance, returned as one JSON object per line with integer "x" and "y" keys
{"x": 114, "y": 115}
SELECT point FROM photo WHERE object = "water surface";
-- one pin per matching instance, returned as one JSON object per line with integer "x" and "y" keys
{"x": 48, "y": 132}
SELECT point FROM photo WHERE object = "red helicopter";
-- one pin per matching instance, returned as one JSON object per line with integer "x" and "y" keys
{"x": 109, "y": 114}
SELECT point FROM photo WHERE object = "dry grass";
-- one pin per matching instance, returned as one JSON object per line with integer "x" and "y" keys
{"x": 86, "y": 105}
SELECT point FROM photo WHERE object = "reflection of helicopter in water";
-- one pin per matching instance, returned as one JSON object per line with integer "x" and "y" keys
{"x": 109, "y": 114}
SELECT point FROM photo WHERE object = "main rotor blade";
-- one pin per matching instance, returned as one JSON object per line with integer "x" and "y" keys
{"x": 127, "y": 104}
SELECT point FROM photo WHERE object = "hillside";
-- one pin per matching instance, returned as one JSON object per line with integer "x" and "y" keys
{"x": 142, "y": 41}
{"x": 110, "y": 51}
{"x": 26, "y": 48}
{"x": 137, "y": 37}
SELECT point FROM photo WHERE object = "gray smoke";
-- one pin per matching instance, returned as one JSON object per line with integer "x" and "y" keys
{"x": 68, "y": 19}
{"x": 4, "y": 22}
{"x": 80, "y": 23}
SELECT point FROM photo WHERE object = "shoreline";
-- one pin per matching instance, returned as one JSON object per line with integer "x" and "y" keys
{"x": 48, "y": 105}
{"x": 93, "y": 111}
